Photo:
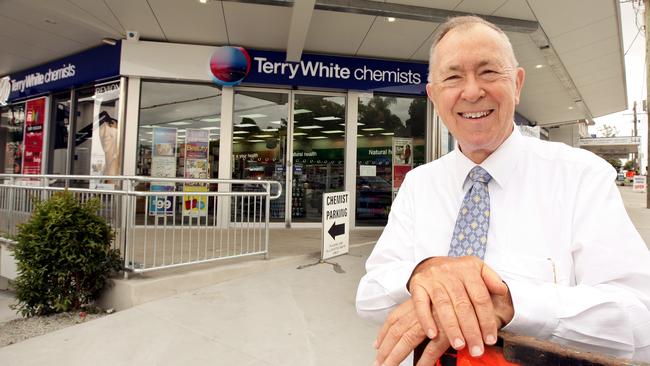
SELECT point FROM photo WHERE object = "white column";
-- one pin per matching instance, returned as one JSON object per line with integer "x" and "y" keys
{"x": 351, "y": 118}
{"x": 131, "y": 126}
{"x": 225, "y": 153}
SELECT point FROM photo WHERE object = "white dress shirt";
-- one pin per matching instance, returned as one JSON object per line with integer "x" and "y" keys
{"x": 559, "y": 236}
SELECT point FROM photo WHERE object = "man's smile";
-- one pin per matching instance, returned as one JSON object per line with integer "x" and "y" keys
{"x": 476, "y": 115}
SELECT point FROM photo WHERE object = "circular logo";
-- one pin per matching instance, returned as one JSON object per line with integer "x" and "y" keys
{"x": 229, "y": 65}
{"x": 5, "y": 90}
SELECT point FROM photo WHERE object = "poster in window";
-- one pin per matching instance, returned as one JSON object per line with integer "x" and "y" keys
{"x": 402, "y": 160}
{"x": 33, "y": 135}
{"x": 104, "y": 150}
{"x": 197, "y": 142}
{"x": 163, "y": 165}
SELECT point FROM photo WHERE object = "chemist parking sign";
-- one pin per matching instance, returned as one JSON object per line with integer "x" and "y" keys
{"x": 336, "y": 224}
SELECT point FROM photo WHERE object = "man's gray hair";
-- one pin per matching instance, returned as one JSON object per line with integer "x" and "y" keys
{"x": 466, "y": 22}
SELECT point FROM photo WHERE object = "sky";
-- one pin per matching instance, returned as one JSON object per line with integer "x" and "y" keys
{"x": 635, "y": 76}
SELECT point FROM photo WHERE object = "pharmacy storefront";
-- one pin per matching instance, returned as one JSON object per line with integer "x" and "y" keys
{"x": 325, "y": 124}
{"x": 63, "y": 117}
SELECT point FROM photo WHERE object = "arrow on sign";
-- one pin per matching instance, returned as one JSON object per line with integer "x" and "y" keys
{"x": 336, "y": 230}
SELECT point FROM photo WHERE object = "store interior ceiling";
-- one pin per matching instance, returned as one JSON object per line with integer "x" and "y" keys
{"x": 572, "y": 50}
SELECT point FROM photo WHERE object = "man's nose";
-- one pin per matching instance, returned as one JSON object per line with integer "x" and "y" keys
{"x": 472, "y": 90}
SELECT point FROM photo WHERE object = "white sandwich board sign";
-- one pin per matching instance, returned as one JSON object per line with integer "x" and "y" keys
{"x": 336, "y": 224}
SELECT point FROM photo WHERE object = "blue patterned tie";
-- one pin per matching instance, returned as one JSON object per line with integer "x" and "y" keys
{"x": 470, "y": 232}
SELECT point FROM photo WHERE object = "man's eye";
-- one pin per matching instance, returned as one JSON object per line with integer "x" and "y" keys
{"x": 452, "y": 77}
{"x": 486, "y": 72}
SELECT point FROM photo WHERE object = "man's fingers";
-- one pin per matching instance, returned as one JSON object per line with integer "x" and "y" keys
{"x": 466, "y": 314}
{"x": 406, "y": 344}
{"x": 483, "y": 308}
{"x": 393, "y": 317}
{"x": 444, "y": 308}
{"x": 423, "y": 312}
{"x": 492, "y": 281}
{"x": 433, "y": 351}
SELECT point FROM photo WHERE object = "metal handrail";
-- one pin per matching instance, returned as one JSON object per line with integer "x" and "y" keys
{"x": 239, "y": 227}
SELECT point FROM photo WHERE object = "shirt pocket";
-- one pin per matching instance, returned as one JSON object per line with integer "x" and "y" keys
{"x": 529, "y": 268}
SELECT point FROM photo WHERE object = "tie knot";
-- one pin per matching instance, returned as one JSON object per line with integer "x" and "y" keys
{"x": 478, "y": 174}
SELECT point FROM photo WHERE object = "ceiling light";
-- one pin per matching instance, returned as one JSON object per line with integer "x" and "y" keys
{"x": 390, "y": 19}
{"x": 299, "y": 134}
{"x": 328, "y": 118}
{"x": 180, "y": 123}
{"x": 334, "y": 131}
{"x": 253, "y": 116}
{"x": 372, "y": 129}
{"x": 262, "y": 136}
{"x": 312, "y": 127}
{"x": 539, "y": 66}
{"x": 109, "y": 41}
{"x": 270, "y": 129}
{"x": 240, "y": 132}
{"x": 570, "y": 107}
{"x": 276, "y": 122}
{"x": 316, "y": 137}
{"x": 215, "y": 119}
{"x": 209, "y": 128}
{"x": 358, "y": 124}
{"x": 246, "y": 125}
{"x": 255, "y": 140}
{"x": 388, "y": 133}
{"x": 300, "y": 111}
{"x": 237, "y": 138}
{"x": 146, "y": 126}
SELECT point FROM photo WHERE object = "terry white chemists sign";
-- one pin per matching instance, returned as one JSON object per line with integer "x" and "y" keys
{"x": 323, "y": 71}
{"x": 336, "y": 224}
{"x": 89, "y": 66}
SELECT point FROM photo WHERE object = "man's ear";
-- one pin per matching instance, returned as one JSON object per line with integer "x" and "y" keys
{"x": 429, "y": 88}
{"x": 519, "y": 83}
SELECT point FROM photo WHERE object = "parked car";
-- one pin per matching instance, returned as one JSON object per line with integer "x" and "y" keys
{"x": 620, "y": 179}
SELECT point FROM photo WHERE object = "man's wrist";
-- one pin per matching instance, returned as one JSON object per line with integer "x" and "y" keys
{"x": 416, "y": 270}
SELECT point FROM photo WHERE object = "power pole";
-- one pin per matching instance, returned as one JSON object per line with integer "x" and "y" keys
{"x": 636, "y": 154}
{"x": 647, "y": 84}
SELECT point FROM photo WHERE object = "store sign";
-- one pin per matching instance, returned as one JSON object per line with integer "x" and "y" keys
{"x": 336, "y": 224}
{"x": 229, "y": 65}
{"x": 5, "y": 90}
{"x": 85, "y": 67}
{"x": 639, "y": 184}
{"x": 337, "y": 72}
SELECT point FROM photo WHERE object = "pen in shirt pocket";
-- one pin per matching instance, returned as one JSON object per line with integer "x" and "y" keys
{"x": 550, "y": 260}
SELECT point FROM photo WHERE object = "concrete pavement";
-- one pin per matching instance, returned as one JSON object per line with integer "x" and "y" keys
{"x": 276, "y": 316}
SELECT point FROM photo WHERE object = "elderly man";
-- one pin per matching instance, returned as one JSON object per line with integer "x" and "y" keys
{"x": 505, "y": 232}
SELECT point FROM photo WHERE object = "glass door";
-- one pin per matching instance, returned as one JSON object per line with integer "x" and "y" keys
{"x": 318, "y": 152}
{"x": 259, "y": 147}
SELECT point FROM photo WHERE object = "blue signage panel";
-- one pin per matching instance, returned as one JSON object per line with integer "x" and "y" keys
{"x": 337, "y": 72}
{"x": 86, "y": 67}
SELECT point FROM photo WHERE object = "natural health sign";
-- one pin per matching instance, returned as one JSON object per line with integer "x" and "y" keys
{"x": 336, "y": 224}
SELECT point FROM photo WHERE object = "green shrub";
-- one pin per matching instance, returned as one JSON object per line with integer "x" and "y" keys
{"x": 63, "y": 256}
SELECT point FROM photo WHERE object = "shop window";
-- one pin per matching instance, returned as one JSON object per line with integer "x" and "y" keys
{"x": 59, "y": 131}
{"x": 175, "y": 117}
{"x": 390, "y": 142}
{"x": 260, "y": 141}
{"x": 318, "y": 153}
{"x": 95, "y": 147}
{"x": 12, "y": 123}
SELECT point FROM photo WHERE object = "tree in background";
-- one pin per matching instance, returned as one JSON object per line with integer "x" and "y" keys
{"x": 630, "y": 165}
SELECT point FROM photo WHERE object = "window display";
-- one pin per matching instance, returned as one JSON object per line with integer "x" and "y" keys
{"x": 390, "y": 142}
{"x": 12, "y": 124}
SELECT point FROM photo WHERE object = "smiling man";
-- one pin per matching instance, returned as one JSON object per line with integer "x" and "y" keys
{"x": 505, "y": 232}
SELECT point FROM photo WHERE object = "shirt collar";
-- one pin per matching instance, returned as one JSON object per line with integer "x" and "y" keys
{"x": 500, "y": 164}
